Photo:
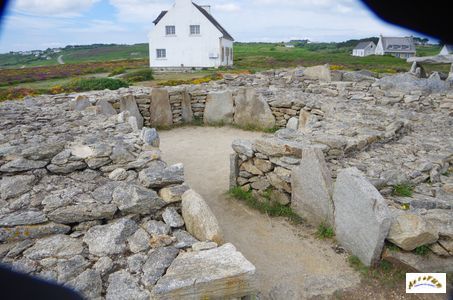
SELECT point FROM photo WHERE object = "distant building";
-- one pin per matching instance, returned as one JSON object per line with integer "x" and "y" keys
{"x": 364, "y": 49}
{"x": 188, "y": 36}
{"x": 402, "y": 47}
{"x": 446, "y": 49}
{"x": 289, "y": 46}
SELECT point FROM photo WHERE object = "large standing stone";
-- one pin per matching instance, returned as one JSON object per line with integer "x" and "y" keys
{"x": 318, "y": 73}
{"x": 109, "y": 239}
{"x": 312, "y": 187}
{"x": 123, "y": 285}
{"x": 160, "y": 108}
{"x": 409, "y": 231}
{"x": 80, "y": 103}
{"x": 252, "y": 110}
{"x": 186, "y": 108}
{"x": 200, "y": 220}
{"x": 219, "y": 108}
{"x": 220, "y": 273}
{"x": 234, "y": 169}
{"x": 127, "y": 103}
{"x": 362, "y": 218}
{"x": 105, "y": 108}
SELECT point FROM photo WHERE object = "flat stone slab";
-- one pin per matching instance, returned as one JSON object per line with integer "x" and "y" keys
{"x": 252, "y": 110}
{"x": 128, "y": 103}
{"x": 220, "y": 273}
{"x": 160, "y": 108}
{"x": 362, "y": 218}
{"x": 426, "y": 264}
{"x": 219, "y": 108}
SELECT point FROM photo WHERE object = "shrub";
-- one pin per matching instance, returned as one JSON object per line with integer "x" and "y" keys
{"x": 57, "y": 89}
{"x": 325, "y": 231}
{"x": 139, "y": 75}
{"x": 117, "y": 71}
{"x": 91, "y": 84}
{"x": 403, "y": 190}
{"x": 16, "y": 93}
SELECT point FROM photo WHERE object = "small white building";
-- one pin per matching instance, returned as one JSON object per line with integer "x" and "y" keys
{"x": 364, "y": 49}
{"x": 446, "y": 50}
{"x": 188, "y": 36}
{"x": 402, "y": 47}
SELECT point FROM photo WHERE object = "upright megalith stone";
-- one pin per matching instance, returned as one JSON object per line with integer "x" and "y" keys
{"x": 128, "y": 103}
{"x": 362, "y": 218}
{"x": 219, "y": 108}
{"x": 199, "y": 218}
{"x": 186, "y": 108}
{"x": 252, "y": 110}
{"x": 318, "y": 73}
{"x": 312, "y": 186}
{"x": 105, "y": 108}
{"x": 80, "y": 103}
{"x": 160, "y": 108}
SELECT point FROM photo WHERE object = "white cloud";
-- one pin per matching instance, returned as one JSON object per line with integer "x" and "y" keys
{"x": 139, "y": 11}
{"x": 56, "y": 8}
{"x": 227, "y": 7}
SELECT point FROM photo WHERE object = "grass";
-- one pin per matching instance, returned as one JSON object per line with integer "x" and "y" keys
{"x": 403, "y": 190}
{"x": 385, "y": 272}
{"x": 325, "y": 232}
{"x": 269, "y": 207}
{"x": 90, "y": 84}
{"x": 139, "y": 75}
{"x": 422, "y": 250}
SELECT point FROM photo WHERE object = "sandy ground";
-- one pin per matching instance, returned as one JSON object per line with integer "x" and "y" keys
{"x": 290, "y": 262}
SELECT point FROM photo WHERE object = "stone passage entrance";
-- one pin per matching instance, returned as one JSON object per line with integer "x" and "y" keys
{"x": 290, "y": 262}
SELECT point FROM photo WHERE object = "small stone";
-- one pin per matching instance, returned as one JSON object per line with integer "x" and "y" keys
{"x": 23, "y": 218}
{"x": 139, "y": 241}
{"x": 293, "y": 123}
{"x": 22, "y": 165}
{"x": 150, "y": 136}
{"x": 243, "y": 147}
{"x": 201, "y": 246}
{"x": 59, "y": 246}
{"x": 173, "y": 193}
{"x": 14, "y": 186}
{"x": 172, "y": 218}
{"x": 263, "y": 165}
{"x": 154, "y": 227}
{"x": 82, "y": 212}
{"x": 183, "y": 239}
{"x": 158, "y": 261}
{"x": 136, "y": 199}
{"x": 25, "y": 232}
{"x": 161, "y": 177}
{"x": 123, "y": 285}
{"x": 80, "y": 103}
{"x": 104, "y": 265}
{"x": 67, "y": 269}
{"x": 118, "y": 174}
{"x": 89, "y": 283}
{"x": 135, "y": 263}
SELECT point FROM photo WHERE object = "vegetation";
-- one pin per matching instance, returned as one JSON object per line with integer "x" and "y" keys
{"x": 422, "y": 250}
{"x": 205, "y": 79}
{"x": 325, "y": 231}
{"x": 117, "y": 71}
{"x": 385, "y": 272}
{"x": 267, "y": 206}
{"x": 93, "y": 84}
{"x": 403, "y": 190}
{"x": 139, "y": 75}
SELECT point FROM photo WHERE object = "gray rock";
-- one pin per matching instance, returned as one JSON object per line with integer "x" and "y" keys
{"x": 234, "y": 170}
{"x": 123, "y": 285}
{"x": 105, "y": 108}
{"x": 160, "y": 108}
{"x": 362, "y": 219}
{"x": 218, "y": 273}
{"x": 58, "y": 246}
{"x": 139, "y": 241}
{"x": 358, "y": 76}
{"x": 89, "y": 284}
{"x": 161, "y": 177}
{"x": 135, "y": 199}
{"x": 243, "y": 147}
{"x": 421, "y": 264}
{"x": 43, "y": 151}
{"x": 104, "y": 265}
{"x": 172, "y": 218}
{"x": 154, "y": 227}
{"x": 28, "y": 217}
{"x": 158, "y": 261}
{"x": 67, "y": 168}
{"x": 22, "y": 165}
{"x": 82, "y": 212}
{"x": 173, "y": 193}
{"x": 127, "y": 103}
{"x": 441, "y": 220}
{"x": 135, "y": 263}
{"x": 103, "y": 194}
{"x": 150, "y": 137}
{"x": 252, "y": 110}
{"x": 80, "y": 103}
{"x": 409, "y": 231}
{"x": 312, "y": 187}
{"x": 25, "y": 232}
{"x": 111, "y": 238}
{"x": 293, "y": 123}
{"x": 19, "y": 248}
{"x": 67, "y": 269}
{"x": 202, "y": 246}
{"x": 183, "y": 239}
{"x": 318, "y": 73}
{"x": 118, "y": 174}
{"x": 200, "y": 220}
{"x": 121, "y": 155}
{"x": 219, "y": 108}
{"x": 186, "y": 108}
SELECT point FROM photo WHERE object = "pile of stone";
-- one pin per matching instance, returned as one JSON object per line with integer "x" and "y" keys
{"x": 86, "y": 201}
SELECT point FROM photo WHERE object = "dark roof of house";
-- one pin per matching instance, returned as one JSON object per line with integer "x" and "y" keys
{"x": 362, "y": 45}
{"x": 449, "y": 48}
{"x": 160, "y": 16}
{"x": 225, "y": 33}
{"x": 398, "y": 44}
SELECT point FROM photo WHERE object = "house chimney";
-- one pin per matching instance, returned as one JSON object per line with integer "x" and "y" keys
{"x": 207, "y": 8}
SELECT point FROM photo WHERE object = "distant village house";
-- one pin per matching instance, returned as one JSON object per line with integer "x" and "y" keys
{"x": 446, "y": 50}
{"x": 188, "y": 36}
{"x": 364, "y": 49}
{"x": 402, "y": 47}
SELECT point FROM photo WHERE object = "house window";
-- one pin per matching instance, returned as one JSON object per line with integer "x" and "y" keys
{"x": 170, "y": 30}
{"x": 161, "y": 53}
{"x": 194, "y": 29}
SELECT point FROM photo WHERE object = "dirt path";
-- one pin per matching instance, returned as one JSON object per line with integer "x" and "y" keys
{"x": 290, "y": 262}
{"x": 60, "y": 60}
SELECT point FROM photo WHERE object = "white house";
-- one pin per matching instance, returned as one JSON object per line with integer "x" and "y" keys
{"x": 364, "y": 49}
{"x": 446, "y": 49}
{"x": 188, "y": 36}
{"x": 402, "y": 47}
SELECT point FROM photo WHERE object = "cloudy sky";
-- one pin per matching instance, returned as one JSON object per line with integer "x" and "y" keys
{"x": 39, "y": 24}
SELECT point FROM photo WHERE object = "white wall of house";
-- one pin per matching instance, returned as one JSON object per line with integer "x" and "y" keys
{"x": 358, "y": 52}
{"x": 444, "y": 50}
{"x": 369, "y": 50}
{"x": 184, "y": 49}
{"x": 379, "y": 48}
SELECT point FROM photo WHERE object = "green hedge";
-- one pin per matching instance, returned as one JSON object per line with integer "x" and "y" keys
{"x": 91, "y": 84}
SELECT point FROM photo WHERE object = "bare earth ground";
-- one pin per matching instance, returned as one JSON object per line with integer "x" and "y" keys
{"x": 291, "y": 263}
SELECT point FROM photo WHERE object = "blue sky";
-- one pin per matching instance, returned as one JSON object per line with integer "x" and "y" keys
{"x": 39, "y": 24}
